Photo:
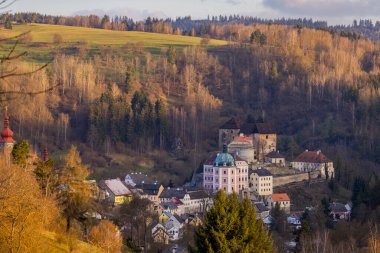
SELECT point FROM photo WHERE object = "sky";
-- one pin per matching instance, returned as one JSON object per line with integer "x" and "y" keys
{"x": 333, "y": 11}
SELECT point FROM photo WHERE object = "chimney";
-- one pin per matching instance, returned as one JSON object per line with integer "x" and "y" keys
{"x": 46, "y": 154}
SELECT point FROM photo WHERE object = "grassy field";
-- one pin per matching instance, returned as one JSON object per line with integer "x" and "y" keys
{"x": 42, "y": 45}
{"x": 44, "y": 34}
{"x": 56, "y": 244}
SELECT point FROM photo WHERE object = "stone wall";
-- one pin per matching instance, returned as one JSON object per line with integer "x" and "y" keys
{"x": 288, "y": 179}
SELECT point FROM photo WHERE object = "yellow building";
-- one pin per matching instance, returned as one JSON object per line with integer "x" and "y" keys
{"x": 261, "y": 182}
{"x": 116, "y": 192}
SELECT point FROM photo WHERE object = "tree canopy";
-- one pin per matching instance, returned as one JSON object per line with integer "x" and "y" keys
{"x": 231, "y": 226}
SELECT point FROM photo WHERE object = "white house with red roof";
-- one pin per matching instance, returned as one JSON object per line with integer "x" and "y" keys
{"x": 310, "y": 161}
{"x": 280, "y": 198}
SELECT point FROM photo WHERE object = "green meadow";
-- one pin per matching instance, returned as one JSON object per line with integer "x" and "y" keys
{"x": 42, "y": 43}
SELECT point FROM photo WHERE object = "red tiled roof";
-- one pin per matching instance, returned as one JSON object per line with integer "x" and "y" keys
{"x": 280, "y": 197}
{"x": 248, "y": 139}
{"x": 312, "y": 157}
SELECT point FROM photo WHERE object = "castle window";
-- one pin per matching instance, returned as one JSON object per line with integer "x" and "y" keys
{"x": 266, "y": 137}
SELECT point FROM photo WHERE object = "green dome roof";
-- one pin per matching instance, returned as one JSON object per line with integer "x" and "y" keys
{"x": 224, "y": 159}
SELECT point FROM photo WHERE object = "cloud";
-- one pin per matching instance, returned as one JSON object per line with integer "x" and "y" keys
{"x": 326, "y": 8}
{"x": 131, "y": 13}
{"x": 233, "y": 2}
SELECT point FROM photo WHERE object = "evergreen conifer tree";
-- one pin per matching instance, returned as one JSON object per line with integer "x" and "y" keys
{"x": 231, "y": 226}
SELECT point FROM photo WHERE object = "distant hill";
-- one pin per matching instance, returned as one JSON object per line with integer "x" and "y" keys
{"x": 44, "y": 33}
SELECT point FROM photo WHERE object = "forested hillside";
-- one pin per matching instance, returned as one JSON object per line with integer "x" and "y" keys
{"x": 319, "y": 89}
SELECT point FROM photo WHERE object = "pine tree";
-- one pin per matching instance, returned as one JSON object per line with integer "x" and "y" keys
{"x": 20, "y": 152}
{"x": 231, "y": 226}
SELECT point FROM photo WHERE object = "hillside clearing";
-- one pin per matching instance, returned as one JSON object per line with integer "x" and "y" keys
{"x": 43, "y": 33}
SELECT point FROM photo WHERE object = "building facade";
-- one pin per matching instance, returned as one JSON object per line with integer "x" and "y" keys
{"x": 276, "y": 158}
{"x": 265, "y": 139}
{"x": 229, "y": 131}
{"x": 261, "y": 181}
{"x": 244, "y": 147}
{"x": 222, "y": 172}
{"x": 282, "y": 199}
{"x": 310, "y": 161}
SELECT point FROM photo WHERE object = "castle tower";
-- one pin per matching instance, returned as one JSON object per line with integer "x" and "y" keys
{"x": 7, "y": 142}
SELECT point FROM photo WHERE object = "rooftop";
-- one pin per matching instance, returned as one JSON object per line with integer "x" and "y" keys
{"x": 247, "y": 128}
{"x": 139, "y": 178}
{"x": 169, "y": 193}
{"x": 243, "y": 139}
{"x": 198, "y": 195}
{"x": 264, "y": 128}
{"x": 260, "y": 207}
{"x": 275, "y": 154}
{"x": 280, "y": 197}
{"x": 338, "y": 208}
{"x": 312, "y": 157}
{"x": 233, "y": 123}
{"x": 117, "y": 187}
{"x": 169, "y": 205}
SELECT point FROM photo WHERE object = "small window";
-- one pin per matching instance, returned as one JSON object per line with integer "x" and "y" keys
{"x": 266, "y": 137}
{"x": 224, "y": 172}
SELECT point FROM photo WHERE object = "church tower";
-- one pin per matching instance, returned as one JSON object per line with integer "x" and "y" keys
{"x": 7, "y": 142}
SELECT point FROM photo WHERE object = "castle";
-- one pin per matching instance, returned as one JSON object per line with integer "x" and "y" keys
{"x": 225, "y": 171}
{"x": 250, "y": 141}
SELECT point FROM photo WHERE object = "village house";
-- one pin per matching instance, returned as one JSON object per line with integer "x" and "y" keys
{"x": 276, "y": 158}
{"x": 261, "y": 210}
{"x": 171, "y": 224}
{"x": 138, "y": 178}
{"x": 150, "y": 191}
{"x": 175, "y": 206}
{"x": 340, "y": 211}
{"x": 265, "y": 138}
{"x": 243, "y": 146}
{"x": 159, "y": 234}
{"x": 261, "y": 181}
{"x": 115, "y": 191}
{"x": 197, "y": 201}
{"x": 310, "y": 161}
{"x": 222, "y": 172}
{"x": 279, "y": 198}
